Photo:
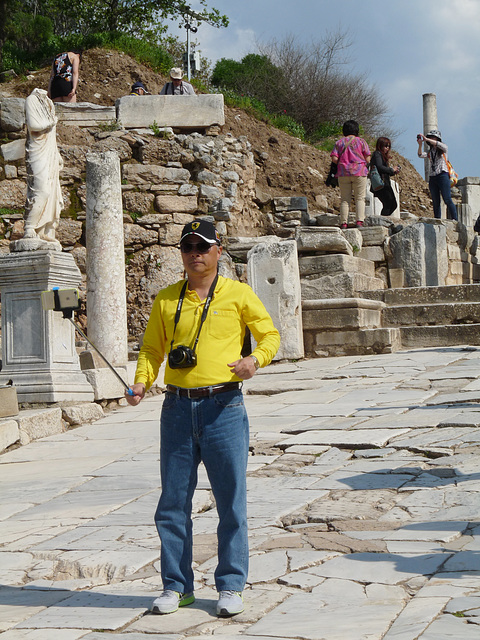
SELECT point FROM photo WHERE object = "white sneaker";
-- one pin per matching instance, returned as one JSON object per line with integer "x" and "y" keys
{"x": 170, "y": 600}
{"x": 230, "y": 603}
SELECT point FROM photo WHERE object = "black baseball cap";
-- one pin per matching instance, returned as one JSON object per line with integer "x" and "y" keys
{"x": 202, "y": 228}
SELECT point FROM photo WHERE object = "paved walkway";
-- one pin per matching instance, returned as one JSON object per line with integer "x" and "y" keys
{"x": 364, "y": 508}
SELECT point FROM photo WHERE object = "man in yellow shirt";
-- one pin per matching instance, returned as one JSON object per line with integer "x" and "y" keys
{"x": 199, "y": 323}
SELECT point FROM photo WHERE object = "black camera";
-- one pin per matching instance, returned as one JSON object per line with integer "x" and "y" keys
{"x": 181, "y": 357}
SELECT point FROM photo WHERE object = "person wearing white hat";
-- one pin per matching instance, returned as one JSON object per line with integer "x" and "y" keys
{"x": 177, "y": 86}
{"x": 439, "y": 178}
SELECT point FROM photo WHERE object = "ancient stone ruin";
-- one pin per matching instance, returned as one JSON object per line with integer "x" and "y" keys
{"x": 397, "y": 282}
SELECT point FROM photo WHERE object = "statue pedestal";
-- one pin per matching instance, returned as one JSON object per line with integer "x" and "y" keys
{"x": 38, "y": 347}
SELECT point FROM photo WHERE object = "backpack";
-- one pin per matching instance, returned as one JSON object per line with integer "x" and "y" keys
{"x": 451, "y": 172}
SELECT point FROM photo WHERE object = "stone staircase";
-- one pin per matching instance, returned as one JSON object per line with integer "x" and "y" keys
{"x": 431, "y": 316}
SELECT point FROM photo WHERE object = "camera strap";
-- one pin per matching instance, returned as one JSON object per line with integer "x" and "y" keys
{"x": 204, "y": 312}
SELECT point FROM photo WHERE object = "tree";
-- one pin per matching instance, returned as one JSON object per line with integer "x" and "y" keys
{"x": 309, "y": 82}
{"x": 320, "y": 87}
{"x": 133, "y": 17}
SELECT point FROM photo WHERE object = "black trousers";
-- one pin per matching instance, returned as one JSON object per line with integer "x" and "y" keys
{"x": 387, "y": 198}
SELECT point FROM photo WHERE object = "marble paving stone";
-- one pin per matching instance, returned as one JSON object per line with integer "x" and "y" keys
{"x": 264, "y": 567}
{"x": 362, "y": 481}
{"x": 467, "y": 606}
{"x": 415, "y": 618}
{"x": 366, "y": 505}
{"x": 463, "y": 561}
{"x": 301, "y": 580}
{"x": 327, "y": 422}
{"x": 134, "y": 636}
{"x": 357, "y": 438}
{"x": 382, "y": 568}
{"x": 300, "y": 559}
{"x": 89, "y": 504}
{"x": 18, "y": 605}
{"x": 321, "y": 614}
{"x": 449, "y": 627}
{"x": 88, "y": 610}
{"x": 44, "y": 634}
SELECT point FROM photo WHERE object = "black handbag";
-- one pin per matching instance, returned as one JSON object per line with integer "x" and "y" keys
{"x": 331, "y": 180}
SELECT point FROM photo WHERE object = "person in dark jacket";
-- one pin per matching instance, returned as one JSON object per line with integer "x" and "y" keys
{"x": 381, "y": 160}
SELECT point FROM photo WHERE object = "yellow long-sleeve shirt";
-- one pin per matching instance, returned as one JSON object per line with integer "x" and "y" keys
{"x": 234, "y": 306}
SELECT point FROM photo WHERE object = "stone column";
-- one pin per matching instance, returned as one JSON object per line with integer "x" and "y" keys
{"x": 430, "y": 120}
{"x": 106, "y": 290}
{"x": 38, "y": 347}
{"x": 274, "y": 276}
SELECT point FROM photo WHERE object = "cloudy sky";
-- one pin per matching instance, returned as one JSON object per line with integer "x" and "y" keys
{"x": 406, "y": 48}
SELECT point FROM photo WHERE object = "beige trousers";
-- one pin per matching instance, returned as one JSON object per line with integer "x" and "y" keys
{"x": 357, "y": 186}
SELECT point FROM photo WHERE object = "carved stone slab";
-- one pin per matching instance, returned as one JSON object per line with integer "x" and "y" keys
{"x": 185, "y": 112}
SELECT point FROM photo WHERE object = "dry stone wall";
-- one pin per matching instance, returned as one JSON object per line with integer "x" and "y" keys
{"x": 169, "y": 179}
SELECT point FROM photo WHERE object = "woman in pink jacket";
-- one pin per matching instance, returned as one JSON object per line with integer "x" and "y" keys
{"x": 351, "y": 155}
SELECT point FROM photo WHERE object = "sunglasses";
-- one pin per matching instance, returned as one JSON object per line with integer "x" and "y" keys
{"x": 200, "y": 247}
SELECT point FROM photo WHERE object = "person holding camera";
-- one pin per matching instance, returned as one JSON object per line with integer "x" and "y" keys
{"x": 439, "y": 178}
{"x": 381, "y": 160}
{"x": 200, "y": 323}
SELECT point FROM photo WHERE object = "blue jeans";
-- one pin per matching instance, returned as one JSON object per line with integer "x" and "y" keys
{"x": 213, "y": 430}
{"x": 441, "y": 185}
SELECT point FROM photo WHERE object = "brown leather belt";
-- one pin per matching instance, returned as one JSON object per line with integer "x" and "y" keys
{"x": 203, "y": 392}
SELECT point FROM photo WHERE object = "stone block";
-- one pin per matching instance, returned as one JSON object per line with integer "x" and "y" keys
{"x": 9, "y": 433}
{"x": 82, "y": 413}
{"x": 137, "y": 202}
{"x": 181, "y": 204}
{"x": 11, "y": 172}
{"x": 421, "y": 251}
{"x": 83, "y": 114}
{"x": 13, "y": 151}
{"x": 341, "y": 319}
{"x": 294, "y": 203}
{"x": 12, "y": 114}
{"x": 324, "y": 239}
{"x": 238, "y": 247}
{"x": 8, "y": 401}
{"x": 355, "y": 238}
{"x": 341, "y": 343}
{"x": 454, "y": 252}
{"x": 40, "y": 423}
{"x": 210, "y": 192}
{"x": 375, "y": 254}
{"x": 273, "y": 275}
{"x": 180, "y": 112}
{"x": 373, "y": 236}
{"x": 397, "y": 278}
{"x": 139, "y": 174}
{"x": 105, "y": 384}
{"x": 343, "y": 285}
{"x": 333, "y": 264}
{"x": 136, "y": 234}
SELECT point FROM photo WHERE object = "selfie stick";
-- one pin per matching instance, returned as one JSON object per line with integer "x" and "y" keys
{"x": 68, "y": 313}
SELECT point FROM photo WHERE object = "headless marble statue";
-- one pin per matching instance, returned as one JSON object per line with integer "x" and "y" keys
{"x": 44, "y": 195}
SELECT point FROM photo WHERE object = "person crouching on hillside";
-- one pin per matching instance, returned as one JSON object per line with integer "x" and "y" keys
{"x": 381, "y": 160}
{"x": 351, "y": 154}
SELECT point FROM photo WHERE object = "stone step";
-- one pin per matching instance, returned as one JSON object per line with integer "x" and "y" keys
{"x": 426, "y": 295}
{"x": 439, "y": 336}
{"x": 450, "y": 313}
